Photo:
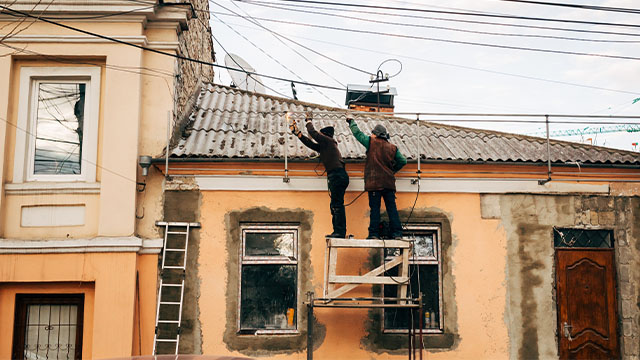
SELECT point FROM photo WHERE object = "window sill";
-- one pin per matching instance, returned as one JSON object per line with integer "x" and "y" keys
{"x": 43, "y": 188}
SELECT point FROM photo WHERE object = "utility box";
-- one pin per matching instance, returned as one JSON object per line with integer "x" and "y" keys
{"x": 368, "y": 98}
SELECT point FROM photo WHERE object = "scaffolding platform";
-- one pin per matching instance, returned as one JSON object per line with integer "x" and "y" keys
{"x": 335, "y": 286}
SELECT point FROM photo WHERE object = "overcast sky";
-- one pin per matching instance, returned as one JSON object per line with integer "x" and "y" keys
{"x": 437, "y": 76}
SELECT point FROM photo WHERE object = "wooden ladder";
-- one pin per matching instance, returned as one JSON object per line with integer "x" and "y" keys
{"x": 375, "y": 276}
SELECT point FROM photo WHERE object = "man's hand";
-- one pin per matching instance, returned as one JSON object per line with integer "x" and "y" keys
{"x": 293, "y": 126}
{"x": 308, "y": 116}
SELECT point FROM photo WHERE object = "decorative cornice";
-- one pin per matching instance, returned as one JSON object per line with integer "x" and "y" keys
{"x": 93, "y": 245}
{"x": 50, "y": 188}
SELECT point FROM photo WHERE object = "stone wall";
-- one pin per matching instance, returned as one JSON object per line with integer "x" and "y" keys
{"x": 195, "y": 43}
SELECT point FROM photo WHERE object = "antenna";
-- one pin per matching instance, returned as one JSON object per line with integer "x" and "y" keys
{"x": 242, "y": 77}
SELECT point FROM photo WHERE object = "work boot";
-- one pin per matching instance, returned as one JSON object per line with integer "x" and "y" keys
{"x": 336, "y": 235}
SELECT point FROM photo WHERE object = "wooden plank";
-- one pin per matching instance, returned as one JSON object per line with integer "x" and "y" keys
{"x": 333, "y": 259}
{"x": 404, "y": 273}
{"x": 377, "y": 271}
{"x": 346, "y": 279}
{"x": 369, "y": 243}
{"x": 326, "y": 269}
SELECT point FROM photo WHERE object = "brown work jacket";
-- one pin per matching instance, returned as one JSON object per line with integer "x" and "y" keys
{"x": 378, "y": 168}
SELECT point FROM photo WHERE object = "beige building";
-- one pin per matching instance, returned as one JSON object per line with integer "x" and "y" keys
{"x": 78, "y": 251}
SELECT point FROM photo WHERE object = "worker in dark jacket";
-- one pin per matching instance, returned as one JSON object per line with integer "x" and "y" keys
{"x": 383, "y": 161}
{"x": 337, "y": 177}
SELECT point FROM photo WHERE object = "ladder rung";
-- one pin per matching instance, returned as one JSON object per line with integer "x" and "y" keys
{"x": 168, "y": 322}
{"x": 177, "y": 232}
{"x": 169, "y": 303}
{"x": 166, "y": 340}
{"x": 172, "y": 285}
{"x": 175, "y": 267}
{"x": 175, "y": 250}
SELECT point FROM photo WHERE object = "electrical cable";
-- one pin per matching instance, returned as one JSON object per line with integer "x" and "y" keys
{"x": 463, "y": 66}
{"x": 274, "y": 59}
{"x": 17, "y": 13}
{"x": 446, "y": 28}
{"x": 96, "y": 16}
{"x": 461, "y": 13}
{"x": 303, "y": 46}
{"x": 579, "y": 6}
{"x": 278, "y": 37}
{"x": 389, "y": 60}
{"x": 523, "y": 26}
{"x": 459, "y": 42}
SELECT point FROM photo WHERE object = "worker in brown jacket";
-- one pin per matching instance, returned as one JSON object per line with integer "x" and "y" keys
{"x": 337, "y": 177}
{"x": 383, "y": 161}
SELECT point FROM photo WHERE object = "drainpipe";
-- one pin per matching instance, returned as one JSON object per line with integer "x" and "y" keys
{"x": 542, "y": 182}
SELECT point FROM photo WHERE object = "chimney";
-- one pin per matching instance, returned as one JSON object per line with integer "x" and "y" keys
{"x": 367, "y": 98}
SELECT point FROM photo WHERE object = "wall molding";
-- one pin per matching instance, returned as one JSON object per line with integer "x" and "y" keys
{"x": 51, "y": 188}
{"x": 89, "y": 245}
{"x": 476, "y": 186}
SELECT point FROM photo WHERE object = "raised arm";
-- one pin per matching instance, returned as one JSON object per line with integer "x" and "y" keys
{"x": 359, "y": 135}
{"x": 305, "y": 140}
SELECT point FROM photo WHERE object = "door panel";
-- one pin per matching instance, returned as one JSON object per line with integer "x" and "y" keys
{"x": 586, "y": 295}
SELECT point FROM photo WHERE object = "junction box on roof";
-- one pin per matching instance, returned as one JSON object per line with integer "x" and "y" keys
{"x": 367, "y": 98}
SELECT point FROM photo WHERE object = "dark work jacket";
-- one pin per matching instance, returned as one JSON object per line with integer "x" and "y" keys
{"x": 378, "y": 168}
{"x": 326, "y": 146}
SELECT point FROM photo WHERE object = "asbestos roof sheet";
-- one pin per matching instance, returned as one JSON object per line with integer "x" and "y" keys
{"x": 230, "y": 123}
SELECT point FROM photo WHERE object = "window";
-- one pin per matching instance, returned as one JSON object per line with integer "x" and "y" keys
{"x": 582, "y": 238}
{"x": 426, "y": 277}
{"x": 269, "y": 279}
{"x": 56, "y": 137}
{"x": 48, "y": 326}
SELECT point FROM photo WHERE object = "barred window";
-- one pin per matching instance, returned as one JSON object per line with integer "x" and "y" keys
{"x": 425, "y": 271}
{"x": 48, "y": 326}
{"x": 268, "y": 279}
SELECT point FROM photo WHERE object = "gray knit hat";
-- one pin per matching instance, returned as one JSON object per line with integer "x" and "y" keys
{"x": 380, "y": 131}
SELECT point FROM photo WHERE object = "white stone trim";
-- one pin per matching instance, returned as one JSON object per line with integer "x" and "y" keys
{"x": 23, "y": 161}
{"x": 49, "y": 188}
{"x": 138, "y": 40}
{"x": 478, "y": 186}
{"x": 94, "y": 245}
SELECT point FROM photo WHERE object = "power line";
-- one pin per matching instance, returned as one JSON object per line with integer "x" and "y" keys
{"x": 446, "y": 28}
{"x": 271, "y": 57}
{"x": 256, "y": 2}
{"x": 305, "y": 47}
{"x": 278, "y": 37}
{"x": 579, "y": 6}
{"x": 462, "y": 13}
{"x": 17, "y": 13}
{"x": 461, "y": 66}
{"x": 460, "y": 42}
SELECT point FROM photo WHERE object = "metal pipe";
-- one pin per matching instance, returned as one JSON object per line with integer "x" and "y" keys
{"x": 582, "y": 116}
{"x": 310, "y": 302}
{"x": 542, "y": 182}
{"x": 421, "y": 325}
{"x": 409, "y": 328}
{"x": 166, "y": 164}
{"x": 286, "y": 153}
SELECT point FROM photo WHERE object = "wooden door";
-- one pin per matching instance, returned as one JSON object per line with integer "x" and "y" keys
{"x": 586, "y": 296}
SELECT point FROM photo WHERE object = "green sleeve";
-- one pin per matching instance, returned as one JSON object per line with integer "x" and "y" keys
{"x": 360, "y": 136}
{"x": 400, "y": 161}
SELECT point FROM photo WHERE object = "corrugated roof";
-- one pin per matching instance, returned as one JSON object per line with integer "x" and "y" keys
{"x": 231, "y": 123}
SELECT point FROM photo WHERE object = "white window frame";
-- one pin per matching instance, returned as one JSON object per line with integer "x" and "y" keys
{"x": 419, "y": 260}
{"x": 269, "y": 260}
{"x": 30, "y": 77}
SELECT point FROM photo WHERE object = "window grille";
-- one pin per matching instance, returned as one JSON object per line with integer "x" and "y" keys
{"x": 48, "y": 327}
{"x": 582, "y": 238}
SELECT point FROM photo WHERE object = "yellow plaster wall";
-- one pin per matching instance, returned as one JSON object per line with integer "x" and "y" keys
{"x": 109, "y": 282}
{"x": 478, "y": 265}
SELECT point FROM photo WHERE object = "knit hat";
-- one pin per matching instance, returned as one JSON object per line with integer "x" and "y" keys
{"x": 380, "y": 131}
{"x": 328, "y": 131}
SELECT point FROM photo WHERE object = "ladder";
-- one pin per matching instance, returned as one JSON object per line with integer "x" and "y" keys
{"x": 171, "y": 290}
{"x": 350, "y": 282}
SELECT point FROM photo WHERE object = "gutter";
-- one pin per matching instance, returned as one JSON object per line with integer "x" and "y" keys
{"x": 356, "y": 161}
